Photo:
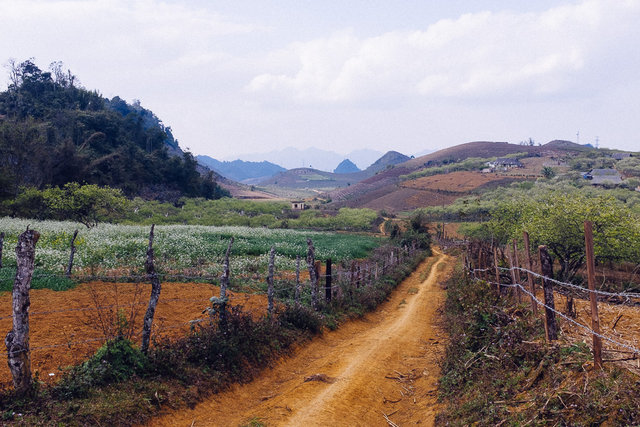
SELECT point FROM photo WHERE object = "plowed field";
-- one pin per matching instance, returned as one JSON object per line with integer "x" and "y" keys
{"x": 66, "y": 327}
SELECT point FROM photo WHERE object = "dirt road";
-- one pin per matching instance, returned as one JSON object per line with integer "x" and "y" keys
{"x": 384, "y": 365}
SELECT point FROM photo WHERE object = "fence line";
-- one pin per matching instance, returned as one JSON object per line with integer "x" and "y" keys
{"x": 134, "y": 335}
{"x": 569, "y": 319}
{"x": 634, "y": 350}
{"x": 571, "y": 285}
{"x": 353, "y": 274}
{"x": 279, "y": 289}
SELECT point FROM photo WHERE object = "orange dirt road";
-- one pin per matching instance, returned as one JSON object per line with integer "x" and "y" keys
{"x": 383, "y": 365}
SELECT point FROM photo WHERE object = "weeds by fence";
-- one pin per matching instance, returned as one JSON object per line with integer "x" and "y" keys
{"x": 478, "y": 259}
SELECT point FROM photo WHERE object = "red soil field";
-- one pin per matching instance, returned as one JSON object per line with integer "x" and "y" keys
{"x": 66, "y": 327}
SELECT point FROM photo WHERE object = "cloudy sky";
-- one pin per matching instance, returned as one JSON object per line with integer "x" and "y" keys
{"x": 242, "y": 76}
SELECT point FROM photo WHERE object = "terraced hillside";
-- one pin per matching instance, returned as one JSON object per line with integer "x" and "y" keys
{"x": 395, "y": 190}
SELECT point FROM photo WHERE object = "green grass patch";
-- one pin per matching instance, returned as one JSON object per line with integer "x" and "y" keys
{"x": 42, "y": 279}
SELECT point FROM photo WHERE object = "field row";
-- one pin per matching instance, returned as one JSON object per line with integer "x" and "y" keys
{"x": 122, "y": 248}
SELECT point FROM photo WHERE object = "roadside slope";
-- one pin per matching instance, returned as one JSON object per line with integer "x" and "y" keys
{"x": 382, "y": 364}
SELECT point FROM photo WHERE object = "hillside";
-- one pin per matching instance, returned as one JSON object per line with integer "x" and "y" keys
{"x": 53, "y": 131}
{"x": 389, "y": 159}
{"x": 482, "y": 149}
{"x": 395, "y": 190}
{"x": 308, "y": 181}
{"x": 240, "y": 170}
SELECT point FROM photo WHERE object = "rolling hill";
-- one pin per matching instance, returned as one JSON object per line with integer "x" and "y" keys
{"x": 308, "y": 181}
{"x": 346, "y": 166}
{"x": 53, "y": 132}
{"x": 394, "y": 191}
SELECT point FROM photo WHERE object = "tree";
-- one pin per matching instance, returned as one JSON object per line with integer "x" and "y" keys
{"x": 556, "y": 219}
{"x": 87, "y": 204}
{"x": 629, "y": 166}
{"x": 548, "y": 172}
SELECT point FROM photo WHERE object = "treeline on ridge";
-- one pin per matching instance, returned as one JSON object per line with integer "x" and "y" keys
{"x": 53, "y": 132}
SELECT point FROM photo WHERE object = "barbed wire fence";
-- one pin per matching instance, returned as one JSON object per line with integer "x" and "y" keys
{"x": 477, "y": 260}
{"x": 336, "y": 283}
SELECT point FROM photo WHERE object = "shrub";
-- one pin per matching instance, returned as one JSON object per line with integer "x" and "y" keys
{"x": 301, "y": 317}
{"x": 115, "y": 361}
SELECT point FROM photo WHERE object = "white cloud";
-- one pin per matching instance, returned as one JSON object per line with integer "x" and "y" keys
{"x": 116, "y": 35}
{"x": 483, "y": 55}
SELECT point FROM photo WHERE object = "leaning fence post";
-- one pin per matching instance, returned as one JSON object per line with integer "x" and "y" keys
{"x": 591, "y": 272}
{"x": 328, "y": 280}
{"x": 311, "y": 260}
{"x": 546, "y": 268}
{"x": 272, "y": 257}
{"x": 532, "y": 288}
{"x": 155, "y": 294}
{"x": 73, "y": 252}
{"x": 17, "y": 340}
{"x": 297, "y": 294}
{"x": 1, "y": 245}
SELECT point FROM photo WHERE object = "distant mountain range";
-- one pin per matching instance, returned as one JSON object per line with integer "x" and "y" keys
{"x": 314, "y": 180}
{"x": 315, "y": 158}
{"x": 241, "y": 171}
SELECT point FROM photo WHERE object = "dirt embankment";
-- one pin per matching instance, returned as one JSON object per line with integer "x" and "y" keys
{"x": 383, "y": 365}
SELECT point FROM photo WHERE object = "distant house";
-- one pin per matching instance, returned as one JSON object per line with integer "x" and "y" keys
{"x": 505, "y": 162}
{"x": 620, "y": 156}
{"x": 297, "y": 205}
{"x": 603, "y": 176}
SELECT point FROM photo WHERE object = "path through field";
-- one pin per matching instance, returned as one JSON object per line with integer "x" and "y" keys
{"x": 382, "y": 365}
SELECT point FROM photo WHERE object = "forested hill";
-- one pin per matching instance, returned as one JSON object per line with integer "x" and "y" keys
{"x": 53, "y": 131}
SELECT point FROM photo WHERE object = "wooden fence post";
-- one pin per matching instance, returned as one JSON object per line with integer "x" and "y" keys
{"x": 532, "y": 288}
{"x": 495, "y": 264}
{"x": 546, "y": 267}
{"x": 272, "y": 258}
{"x": 593, "y": 298}
{"x": 17, "y": 340}
{"x": 311, "y": 260}
{"x": 328, "y": 281}
{"x": 352, "y": 275}
{"x": 72, "y": 254}
{"x": 224, "y": 284}
{"x": 515, "y": 277}
{"x": 155, "y": 295}
{"x": 297, "y": 293}
{"x": 226, "y": 272}
{"x": 1, "y": 245}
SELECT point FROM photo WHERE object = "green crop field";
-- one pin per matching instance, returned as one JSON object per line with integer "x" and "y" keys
{"x": 199, "y": 249}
